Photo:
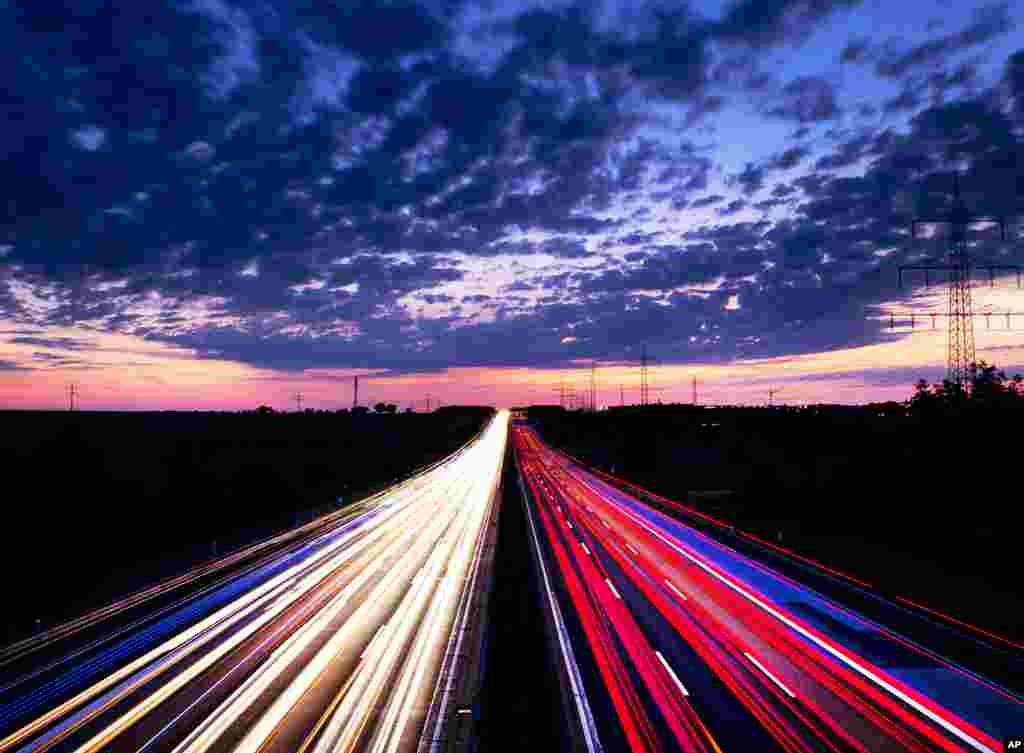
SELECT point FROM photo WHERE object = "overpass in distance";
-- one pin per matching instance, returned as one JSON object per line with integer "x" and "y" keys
{"x": 363, "y": 631}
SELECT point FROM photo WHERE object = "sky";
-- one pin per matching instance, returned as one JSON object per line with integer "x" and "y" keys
{"x": 219, "y": 205}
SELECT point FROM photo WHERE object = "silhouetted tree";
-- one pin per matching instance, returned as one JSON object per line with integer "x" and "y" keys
{"x": 265, "y": 410}
{"x": 990, "y": 388}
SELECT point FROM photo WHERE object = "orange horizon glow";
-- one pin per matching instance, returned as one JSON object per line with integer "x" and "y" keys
{"x": 131, "y": 374}
{"x": 126, "y": 372}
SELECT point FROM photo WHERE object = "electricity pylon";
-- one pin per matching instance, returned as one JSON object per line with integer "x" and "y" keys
{"x": 960, "y": 353}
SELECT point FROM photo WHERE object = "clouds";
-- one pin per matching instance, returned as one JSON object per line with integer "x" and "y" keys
{"x": 807, "y": 99}
{"x": 271, "y": 183}
{"x": 57, "y": 343}
{"x": 790, "y": 158}
{"x": 761, "y": 23}
{"x": 751, "y": 179}
{"x": 989, "y": 21}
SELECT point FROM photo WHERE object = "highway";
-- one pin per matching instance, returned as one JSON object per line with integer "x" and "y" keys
{"x": 335, "y": 637}
{"x": 674, "y": 640}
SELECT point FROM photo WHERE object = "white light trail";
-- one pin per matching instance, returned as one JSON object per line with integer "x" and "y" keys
{"x": 358, "y": 622}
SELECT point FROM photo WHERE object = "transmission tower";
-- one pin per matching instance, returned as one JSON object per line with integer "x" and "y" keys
{"x": 298, "y": 402}
{"x": 960, "y": 354}
{"x": 645, "y": 377}
{"x": 570, "y": 396}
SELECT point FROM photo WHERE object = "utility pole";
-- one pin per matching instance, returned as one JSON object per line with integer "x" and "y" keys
{"x": 694, "y": 396}
{"x": 960, "y": 353}
{"x": 643, "y": 375}
{"x": 72, "y": 394}
{"x": 622, "y": 396}
{"x": 355, "y": 391}
{"x": 593, "y": 385}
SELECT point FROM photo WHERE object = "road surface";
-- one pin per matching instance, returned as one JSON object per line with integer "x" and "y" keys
{"x": 676, "y": 641}
{"x": 331, "y": 638}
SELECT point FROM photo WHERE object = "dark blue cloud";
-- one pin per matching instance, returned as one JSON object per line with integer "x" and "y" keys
{"x": 282, "y": 159}
{"x": 58, "y": 343}
{"x": 807, "y": 99}
{"x": 769, "y": 22}
{"x": 707, "y": 201}
{"x": 751, "y": 180}
{"x": 989, "y": 21}
{"x": 732, "y": 207}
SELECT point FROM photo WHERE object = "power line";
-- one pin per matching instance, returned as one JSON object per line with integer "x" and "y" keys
{"x": 960, "y": 351}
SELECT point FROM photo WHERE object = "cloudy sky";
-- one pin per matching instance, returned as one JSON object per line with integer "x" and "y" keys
{"x": 216, "y": 204}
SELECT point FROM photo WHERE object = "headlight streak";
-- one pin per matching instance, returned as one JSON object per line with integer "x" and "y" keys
{"x": 357, "y": 620}
{"x": 841, "y": 700}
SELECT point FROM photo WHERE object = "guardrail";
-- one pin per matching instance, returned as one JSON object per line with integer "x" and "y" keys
{"x": 584, "y": 733}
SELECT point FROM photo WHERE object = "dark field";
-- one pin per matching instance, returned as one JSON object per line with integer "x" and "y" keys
{"x": 98, "y": 504}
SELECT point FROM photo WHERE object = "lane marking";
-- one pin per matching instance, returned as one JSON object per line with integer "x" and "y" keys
{"x": 634, "y": 551}
{"x": 605, "y": 523}
{"x": 863, "y": 671}
{"x": 586, "y": 716}
{"x": 613, "y": 589}
{"x": 585, "y": 548}
{"x": 771, "y": 677}
{"x": 679, "y": 593}
{"x": 672, "y": 674}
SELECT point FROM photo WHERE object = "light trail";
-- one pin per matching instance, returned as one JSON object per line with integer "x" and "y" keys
{"x": 328, "y": 639}
{"x": 772, "y": 664}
